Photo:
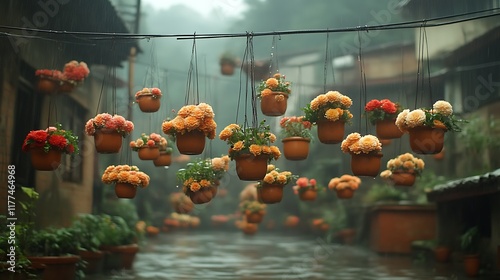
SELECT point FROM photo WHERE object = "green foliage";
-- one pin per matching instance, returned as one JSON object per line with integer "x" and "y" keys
{"x": 252, "y": 206}
{"x": 295, "y": 127}
{"x": 379, "y": 193}
{"x": 116, "y": 231}
{"x": 197, "y": 171}
{"x": 52, "y": 242}
{"x": 477, "y": 137}
{"x": 451, "y": 122}
{"x": 87, "y": 230}
{"x": 470, "y": 240}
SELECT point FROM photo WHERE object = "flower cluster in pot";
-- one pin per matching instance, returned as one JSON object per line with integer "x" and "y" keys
{"x": 354, "y": 143}
{"x": 380, "y": 110}
{"x": 345, "y": 181}
{"x": 295, "y": 127}
{"x": 440, "y": 116}
{"x": 153, "y": 92}
{"x": 276, "y": 83}
{"x": 275, "y": 176}
{"x": 107, "y": 122}
{"x": 220, "y": 166}
{"x": 251, "y": 140}
{"x": 166, "y": 145}
{"x": 303, "y": 184}
{"x": 52, "y": 138}
{"x": 74, "y": 72}
{"x": 152, "y": 140}
{"x": 192, "y": 117}
{"x": 125, "y": 174}
{"x": 196, "y": 176}
{"x": 405, "y": 163}
{"x": 252, "y": 206}
{"x": 330, "y": 106}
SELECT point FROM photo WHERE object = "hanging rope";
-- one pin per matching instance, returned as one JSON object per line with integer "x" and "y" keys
{"x": 193, "y": 70}
{"x": 325, "y": 69}
{"x": 274, "y": 60}
{"x": 362, "y": 85}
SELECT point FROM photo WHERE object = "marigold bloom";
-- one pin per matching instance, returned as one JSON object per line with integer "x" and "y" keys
{"x": 266, "y": 92}
{"x": 269, "y": 178}
{"x": 279, "y": 98}
{"x": 195, "y": 186}
{"x": 272, "y": 83}
{"x": 238, "y": 146}
{"x": 255, "y": 149}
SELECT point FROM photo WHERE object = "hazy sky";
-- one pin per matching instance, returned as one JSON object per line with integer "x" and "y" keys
{"x": 231, "y": 8}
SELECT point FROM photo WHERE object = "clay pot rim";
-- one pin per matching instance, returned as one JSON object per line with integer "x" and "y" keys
{"x": 54, "y": 259}
{"x": 437, "y": 127}
{"x": 155, "y": 96}
{"x": 378, "y": 154}
{"x": 296, "y": 138}
{"x": 278, "y": 93}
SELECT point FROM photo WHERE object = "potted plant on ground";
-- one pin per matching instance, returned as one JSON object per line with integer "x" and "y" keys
{"x": 87, "y": 231}
{"x": 273, "y": 94}
{"x": 469, "y": 242}
{"x": 329, "y": 112}
{"x": 46, "y": 146}
{"x": 197, "y": 180}
{"x": 306, "y": 189}
{"x": 270, "y": 189}
{"x": 166, "y": 148}
{"x": 147, "y": 146}
{"x": 253, "y": 210}
{"x": 345, "y": 185}
{"x": 126, "y": 179}
{"x": 119, "y": 242}
{"x": 192, "y": 124}
{"x": 227, "y": 63}
{"x": 365, "y": 154}
{"x": 382, "y": 114}
{"x": 251, "y": 149}
{"x": 108, "y": 132}
{"x": 403, "y": 169}
{"x": 148, "y": 99}
{"x": 427, "y": 126}
{"x": 297, "y": 136}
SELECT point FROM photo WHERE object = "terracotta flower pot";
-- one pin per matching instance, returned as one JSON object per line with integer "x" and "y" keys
{"x": 471, "y": 265}
{"x": 214, "y": 189}
{"x": 387, "y": 129}
{"x": 125, "y": 190}
{"x": 308, "y": 195}
{"x": 201, "y": 196}
{"x": 330, "y": 132}
{"x": 47, "y": 85}
{"x": 66, "y": 86}
{"x": 45, "y": 161}
{"x": 345, "y": 193}
{"x": 250, "y": 167}
{"x": 94, "y": 261}
{"x": 385, "y": 142}
{"x": 227, "y": 69}
{"x": 56, "y": 268}
{"x": 426, "y": 140}
{"x": 403, "y": 178}
{"x": 250, "y": 229}
{"x": 121, "y": 256}
{"x": 365, "y": 164}
{"x": 273, "y": 105}
{"x": 148, "y": 153}
{"x": 107, "y": 141}
{"x": 347, "y": 235}
{"x": 191, "y": 142}
{"x": 296, "y": 148}
{"x": 148, "y": 103}
{"x": 442, "y": 253}
{"x": 164, "y": 159}
{"x": 254, "y": 217}
{"x": 270, "y": 193}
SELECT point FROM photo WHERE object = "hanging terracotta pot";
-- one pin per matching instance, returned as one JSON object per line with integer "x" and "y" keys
{"x": 345, "y": 193}
{"x": 254, "y": 217}
{"x": 164, "y": 159}
{"x": 201, "y": 196}
{"x": 107, "y": 141}
{"x": 308, "y": 195}
{"x": 471, "y": 265}
{"x": 385, "y": 142}
{"x": 125, "y": 190}
{"x": 148, "y": 103}
{"x": 45, "y": 161}
{"x": 440, "y": 155}
{"x": 296, "y": 148}
{"x": 442, "y": 253}
{"x": 66, "y": 86}
{"x": 366, "y": 164}
{"x": 227, "y": 69}
{"x": 270, "y": 193}
{"x": 47, "y": 85}
{"x": 191, "y": 142}
{"x": 387, "y": 129}
{"x": 56, "y": 268}
{"x": 426, "y": 140}
{"x": 250, "y": 167}
{"x": 148, "y": 153}
{"x": 249, "y": 229}
{"x": 274, "y": 104}
{"x": 330, "y": 132}
{"x": 403, "y": 178}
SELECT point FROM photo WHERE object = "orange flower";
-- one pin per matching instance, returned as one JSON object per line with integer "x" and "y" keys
{"x": 281, "y": 179}
{"x": 225, "y": 134}
{"x": 205, "y": 183}
{"x": 195, "y": 186}
{"x": 185, "y": 111}
{"x": 266, "y": 92}
{"x": 276, "y": 152}
{"x": 255, "y": 149}
{"x": 266, "y": 150}
{"x": 333, "y": 114}
{"x": 268, "y": 178}
{"x": 279, "y": 98}
{"x": 272, "y": 83}
{"x": 192, "y": 123}
{"x": 178, "y": 123}
{"x": 238, "y": 146}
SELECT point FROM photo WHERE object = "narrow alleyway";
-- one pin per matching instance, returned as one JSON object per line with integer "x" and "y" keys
{"x": 232, "y": 255}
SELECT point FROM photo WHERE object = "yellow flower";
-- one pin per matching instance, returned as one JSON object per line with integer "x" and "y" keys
{"x": 281, "y": 179}
{"x": 166, "y": 126}
{"x": 272, "y": 83}
{"x": 218, "y": 163}
{"x": 315, "y": 104}
{"x": 255, "y": 149}
{"x": 345, "y": 101}
{"x": 272, "y": 137}
{"x": 420, "y": 163}
{"x": 408, "y": 165}
{"x": 266, "y": 92}
{"x": 369, "y": 143}
{"x": 322, "y": 100}
{"x": 270, "y": 167}
{"x": 266, "y": 150}
{"x": 276, "y": 152}
{"x": 332, "y": 114}
{"x": 443, "y": 107}
{"x": 390, "y": 164}
{"x": 401, "y": 120}
{"x": 274, "y": 173}
{"x": 415, "y": 118}
{"x": 269, "y": 178}
{"x": 349, "y": 141}
{"x": 238, "y": 146}
{"x": 385, "y": 174}
{"x": 397, "y": 163}
{"x": 405, "y": 157}
{"x": 333, "y": 96}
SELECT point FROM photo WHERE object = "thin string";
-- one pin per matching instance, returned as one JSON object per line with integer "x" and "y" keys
{"x": 325, "y": 69}
{"x": 362, "y": 86}
{"x": 428, "y": 66}
{"x": 193, "y": 67}
{"x": 420, "y": 63}
{"x": 244, "y": 65}
{"x": 113, "y": 96}
{"x": 253, "y": 93}
{"x": 274, "y": 55}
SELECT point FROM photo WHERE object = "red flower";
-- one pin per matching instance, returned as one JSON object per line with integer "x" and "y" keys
{"x": 372, "y": 105}
{"x": 389, "y": 107}
{"x": 151, "y": 143}
{"x": 58, "y": 141}
{"x": 70, "y": 149}
{"x": 312, "y": 182}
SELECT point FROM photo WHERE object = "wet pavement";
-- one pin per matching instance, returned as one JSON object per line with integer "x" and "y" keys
{"x": 233, "y": 255}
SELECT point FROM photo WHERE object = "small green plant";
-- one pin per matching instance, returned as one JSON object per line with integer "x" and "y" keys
{"x": 469, "y": 241}
{"x": 116, "y": 231}
{"x": 379, "y": 193}
{"x": 87, "y": 230}
{"x": 52, "y": 242}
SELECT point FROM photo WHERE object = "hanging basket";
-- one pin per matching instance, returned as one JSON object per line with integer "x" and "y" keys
{"x": 250, "y": 167}
{"x": 148, "y": 153}
{"x": 296, "y": 148}
{"x": 201, "y": 196}
{"x": 107, "y": 141}
{"x": 366, "y": 164}
{"x": 387, "y": 129}
{"x": 66, "y": 86}
{"x": 148, "y": 103}
{"x": 403, "y": 178}
{"x": 330, "y": 132}
{"x": 274, "y": 104}
{"x": 426, "y": 140}
{"x": 45, "y": 161}
{"x": 226, "y": 68}
{"x": 191, "y": 142}
{"x": 308, "y": 195}
{"x": 345, "y": 193}
{"x": 47, "y": 85}
{"x": 254, "y": 217}
{"x": 270, "y": 193}
{"x": 164, "y": 159}
{"x": 125, "y": 190}
{"x": 250, "y": 229}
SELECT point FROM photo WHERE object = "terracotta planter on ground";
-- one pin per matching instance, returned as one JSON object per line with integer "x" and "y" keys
{"x": 191, "y": 142}
{"x": 387, "y": 129}
{"x": 148, "y": 103}
{"x": 250, "y": 167}
{"x": 366, "y": 164}
{"x": 296, "y": 148}
{"x": 471, "y": 265}
{"x": 120, "y": 257}
{"x": 403, "y": 178}
{"x": 164, "y": 159}
{"x": 56, "y": 268}
{"x": 94, "y": 261}
{"x": 442, "y": 253}
{"x": 272, "y": 106}
{"x": 345, "y": 193}
{"x": 201, "y": 196}
{"x": 330, "y": 132}
{"x": 308, "y": 195}
{"x": 270, "y": 193}
{"x": 426, "y": 140}
{"x": 45, "y": 161}
{"x": 254, "y": 217}
{"x": 125, "y": 190}
{"x": 148, "y": 153}
{"x": 107, "y": 141}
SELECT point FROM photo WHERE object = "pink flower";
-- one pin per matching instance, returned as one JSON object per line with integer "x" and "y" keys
{"x": 129, "y": 126}
{"x": 155, "y": 137}
{"x": 312, "y": 182}
{"x": 302, "y": 182}
{"x": 151, "y": 143}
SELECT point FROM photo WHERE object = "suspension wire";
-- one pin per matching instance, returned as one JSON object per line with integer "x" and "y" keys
{"x": 325, "y": 70}
{"x": 428, "y": 66}
{"x": 193, "y": 70}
